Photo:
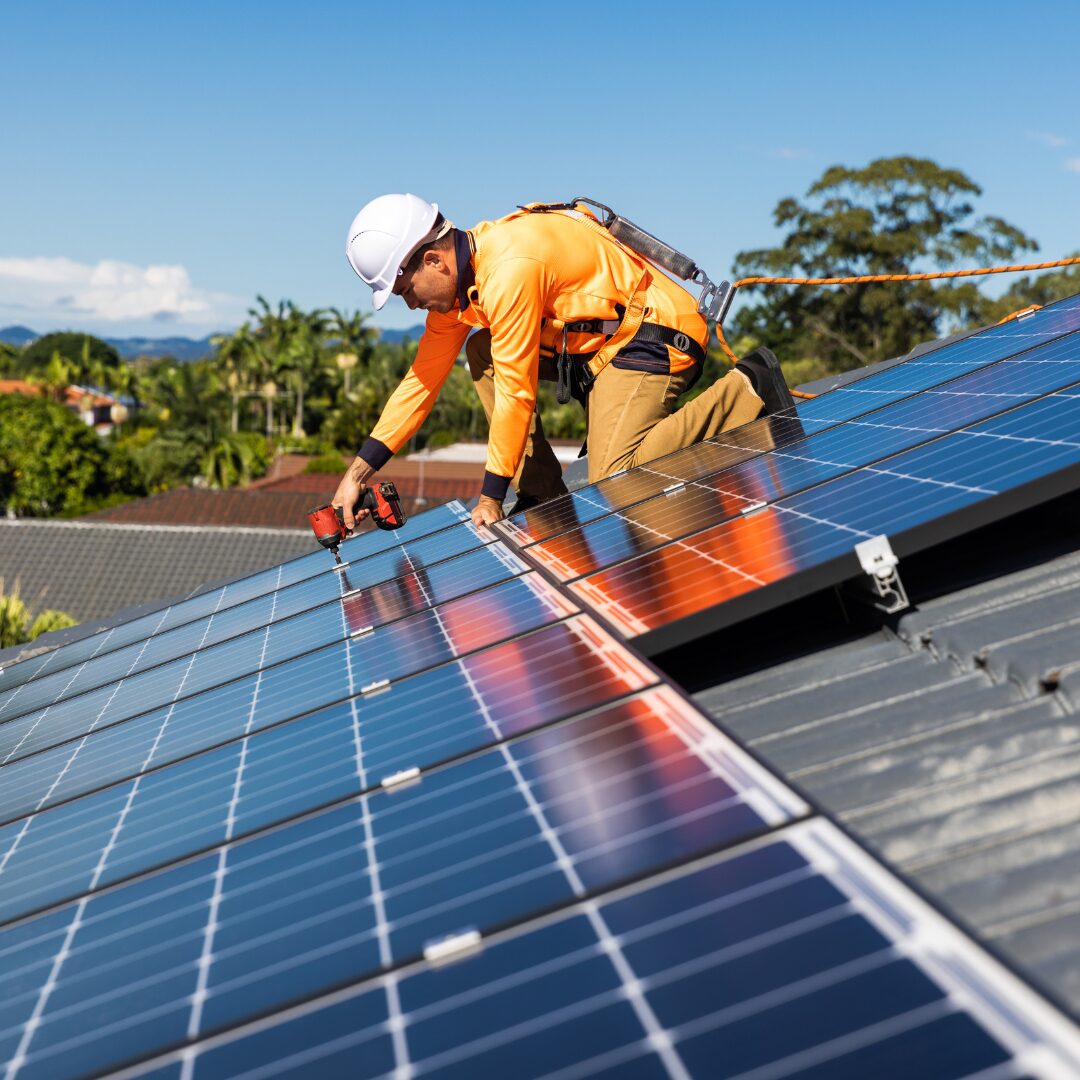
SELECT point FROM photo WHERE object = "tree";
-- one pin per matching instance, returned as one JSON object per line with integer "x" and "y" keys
{"x": 894, "y": 216}
{"x": 50, "y": 461}
{"x": 90, "y": 357}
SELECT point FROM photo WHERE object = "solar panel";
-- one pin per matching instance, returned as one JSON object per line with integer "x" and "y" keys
{"x": 580, "y": 670}
{"x": 362, "y": 546}
{"x": 352, "y": 613}
{"x": 241, "y": 618}
{"x": 808, "y": 461}
{"x": 805, "y": 542}
{"x": 304, "y": 763}
{"x": 845, "y": 403}
{"x": 251, "y": 703}
{"x": 262, "y": 922}
{"x": 788, "y": 957}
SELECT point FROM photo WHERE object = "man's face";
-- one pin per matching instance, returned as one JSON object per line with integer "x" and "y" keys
{"x": 432, "y": 285}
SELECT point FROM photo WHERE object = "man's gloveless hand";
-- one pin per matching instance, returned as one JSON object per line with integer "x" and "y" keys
{"x": 487, "y": 511}
{"x": 350, "y": 489}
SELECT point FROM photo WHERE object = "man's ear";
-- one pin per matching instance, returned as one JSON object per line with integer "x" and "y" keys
{"x": 434, "y": 259}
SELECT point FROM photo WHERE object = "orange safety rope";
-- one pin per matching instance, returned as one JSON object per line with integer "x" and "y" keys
{"x": 860, "y": 279}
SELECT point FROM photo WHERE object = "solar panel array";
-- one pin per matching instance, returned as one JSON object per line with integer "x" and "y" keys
{"x": 426, "y": 814}
{"x": 918, "y": 452}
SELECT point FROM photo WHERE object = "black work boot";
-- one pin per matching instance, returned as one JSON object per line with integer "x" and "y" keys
{"x": 763, "y": 370}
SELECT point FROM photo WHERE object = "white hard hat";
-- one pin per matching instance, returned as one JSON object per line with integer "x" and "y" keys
{"x": 384, "y": 236}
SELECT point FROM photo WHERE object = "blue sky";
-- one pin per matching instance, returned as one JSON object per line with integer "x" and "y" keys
{"x": 163, "y": 163}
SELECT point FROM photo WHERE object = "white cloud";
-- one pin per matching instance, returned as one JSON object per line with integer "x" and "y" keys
{"x": 789, "y": 153}
{"x": 1073, "y": 164}
{"x": 1048, "y": 138}
{"x": 110, "y": 292}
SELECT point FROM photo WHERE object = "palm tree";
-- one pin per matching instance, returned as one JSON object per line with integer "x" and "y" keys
{"x": 304, "y": 354}
{"x": 237, "y": 355}
{"x": 352, "y": 339}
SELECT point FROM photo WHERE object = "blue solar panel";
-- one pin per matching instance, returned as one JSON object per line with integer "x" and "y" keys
{"x": 819, "y": 528}
{"x": 805, "y": 462}
{"x": 257, "y": 701}
{"x": 158, "y": 816}
{"x": 337, "y": 895}
{"x": 241, "y": 618}
{"x": 846, "y": 403}
{"x": 168, "y": 683}
{"x": 355, "y": 549}
{"x": 785, "y": 958}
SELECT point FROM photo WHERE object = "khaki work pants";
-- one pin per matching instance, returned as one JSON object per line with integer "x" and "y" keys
{"x": 630, "y": 418}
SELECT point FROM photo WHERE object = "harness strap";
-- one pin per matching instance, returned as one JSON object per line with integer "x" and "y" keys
{"x": 649, "y": 333}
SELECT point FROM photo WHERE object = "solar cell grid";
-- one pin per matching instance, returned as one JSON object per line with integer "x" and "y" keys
{"x": 1037, "y": 444}
{"x": 356, "y": 548}
{"x": 155, "y": 818}
{"x": 785, "y": 956}
{"x": 265, "y": 647}
{"x": 805, "y": 462}
{"x": 845, "y": 403}
{"x": 276, "y": 694}
{"x": 242, "y": 618}
{"x": 291, "y": 912}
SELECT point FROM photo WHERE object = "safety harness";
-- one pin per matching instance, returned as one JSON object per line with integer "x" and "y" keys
{"x": 577, "y": 373}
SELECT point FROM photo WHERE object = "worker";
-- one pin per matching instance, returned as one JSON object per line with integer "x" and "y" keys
{"x": 547, "y": 290}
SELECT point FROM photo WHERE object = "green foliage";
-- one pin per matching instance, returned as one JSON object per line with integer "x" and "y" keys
{"x": 15, "y": 625}
{"x": 9, "y": 361}
{"x": 235, "y": 458}
{"x": 14, "y": 616}
{"x": 894, "y": 216}
{"x": 50, "y": 461}
{"x": 48, "y": 621}
{"x": 89, "y": 357}
{"x": 326, "y": 463}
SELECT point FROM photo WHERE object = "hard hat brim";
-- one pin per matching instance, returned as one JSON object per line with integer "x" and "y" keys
{"x": 380, "y": 296}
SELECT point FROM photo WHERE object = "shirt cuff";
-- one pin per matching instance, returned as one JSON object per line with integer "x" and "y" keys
{"x": 375, "y": 453}
{"x": 495, "y": 486}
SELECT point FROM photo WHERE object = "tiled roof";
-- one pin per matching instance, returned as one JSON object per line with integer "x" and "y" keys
{"x": 203, "y": 506}
{"x": 93, "y": 569}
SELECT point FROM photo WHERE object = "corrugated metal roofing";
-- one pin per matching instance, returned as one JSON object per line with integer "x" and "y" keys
{"x": 950, "y": 742}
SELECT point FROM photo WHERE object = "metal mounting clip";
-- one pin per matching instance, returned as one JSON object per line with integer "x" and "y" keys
{"x": 882, "y": 581}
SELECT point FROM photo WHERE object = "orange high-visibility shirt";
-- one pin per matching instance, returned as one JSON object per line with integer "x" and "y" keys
{"x": 530, "y": 268}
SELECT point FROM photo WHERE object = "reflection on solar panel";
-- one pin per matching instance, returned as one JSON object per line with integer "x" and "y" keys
{"x": 774, "y": 510}
{"x": 427, "y": 816}
{"x": 846, "y": 403}
{"x": 362, "y": 546}
{"x": 241, "y": 618}
{"x": 806, "y": 541}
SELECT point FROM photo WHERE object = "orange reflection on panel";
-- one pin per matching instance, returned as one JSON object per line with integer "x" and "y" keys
{"x": 685, "y": 578}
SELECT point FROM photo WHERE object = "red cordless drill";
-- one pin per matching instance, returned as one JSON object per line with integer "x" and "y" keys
{"x": 328, "y": 522}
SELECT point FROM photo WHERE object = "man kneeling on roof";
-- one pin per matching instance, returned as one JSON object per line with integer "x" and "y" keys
{"x": 552, "y": 295}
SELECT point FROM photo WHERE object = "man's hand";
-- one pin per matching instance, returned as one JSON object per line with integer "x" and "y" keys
{"x": 487, "y": 511}
{"x": 350, "y": 489}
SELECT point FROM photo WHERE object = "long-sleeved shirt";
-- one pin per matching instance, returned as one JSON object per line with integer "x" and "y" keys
{"x": 529, "y": 269}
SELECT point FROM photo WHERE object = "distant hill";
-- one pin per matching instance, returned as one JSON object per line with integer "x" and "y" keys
{"x": 17, "y": 335}
{"x": 395, "y": 336}
{"x": 182, "y": 348}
